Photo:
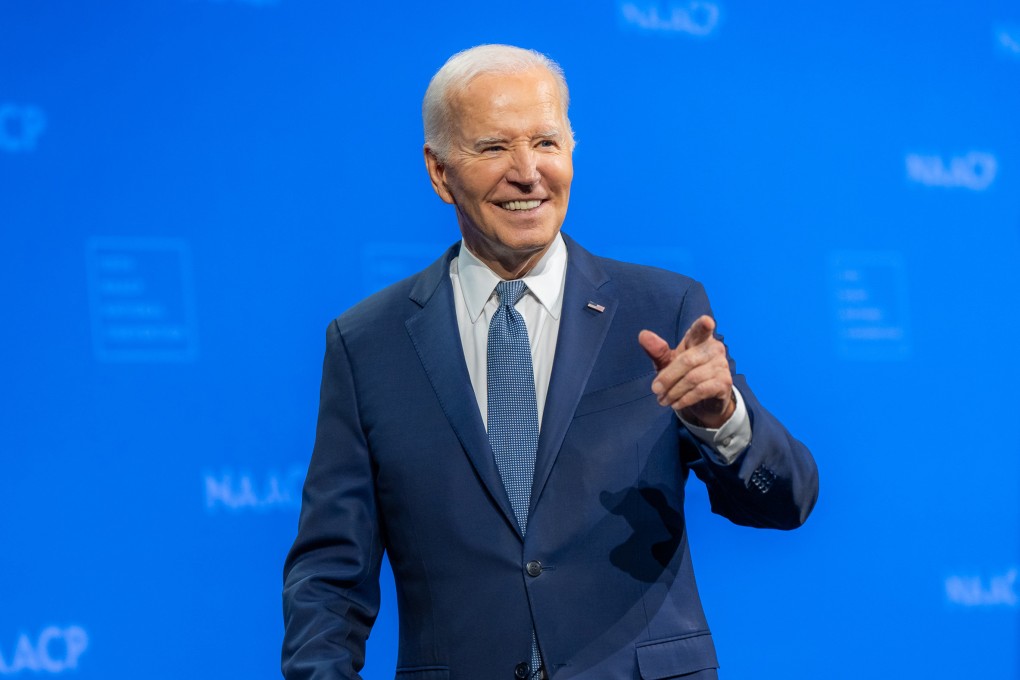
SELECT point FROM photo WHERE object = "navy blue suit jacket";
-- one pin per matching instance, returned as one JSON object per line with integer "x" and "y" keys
{"x": 402, "y": 464}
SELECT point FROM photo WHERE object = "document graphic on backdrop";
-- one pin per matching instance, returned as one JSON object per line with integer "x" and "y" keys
{"x": 21, "y": 125}
{"x": 386, "y": 263}
{"x": 869, "y": 297}
{"x": 141, "y": 299}
{"x": 56, "y": 649}
{"x": 690, "y": 18}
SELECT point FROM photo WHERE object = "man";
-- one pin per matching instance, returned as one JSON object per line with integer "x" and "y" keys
{"x": 514, "y": 426}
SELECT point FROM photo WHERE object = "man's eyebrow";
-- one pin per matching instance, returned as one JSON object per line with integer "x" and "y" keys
{"x": 551, "y": 133}
{"x": 489, "y": 141}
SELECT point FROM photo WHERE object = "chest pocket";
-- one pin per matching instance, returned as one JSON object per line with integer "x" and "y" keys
{"x": 616, "y": 395}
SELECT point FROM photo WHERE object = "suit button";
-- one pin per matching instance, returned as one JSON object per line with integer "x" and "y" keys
{"x": 522, "y": 670}
{"x": 534, "y": 568}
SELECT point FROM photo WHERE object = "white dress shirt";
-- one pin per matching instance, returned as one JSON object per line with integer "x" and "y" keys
{"x": 475, "y": 299}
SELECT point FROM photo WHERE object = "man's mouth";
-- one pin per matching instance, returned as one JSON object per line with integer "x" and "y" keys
{"x": 520, "y": 205}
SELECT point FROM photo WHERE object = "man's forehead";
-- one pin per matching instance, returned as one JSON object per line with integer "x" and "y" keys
{"x": 530, "y": 98}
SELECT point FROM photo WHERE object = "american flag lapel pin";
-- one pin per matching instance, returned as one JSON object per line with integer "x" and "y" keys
{"x": 598, "y": 308}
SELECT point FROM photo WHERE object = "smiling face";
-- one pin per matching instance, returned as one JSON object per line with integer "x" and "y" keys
{"x": 508, "y": 169}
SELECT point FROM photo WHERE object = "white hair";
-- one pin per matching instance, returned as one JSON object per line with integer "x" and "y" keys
{"x": 463, "y": 67}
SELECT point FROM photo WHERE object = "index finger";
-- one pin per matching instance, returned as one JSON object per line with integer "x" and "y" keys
{"x": 699, "y": 332}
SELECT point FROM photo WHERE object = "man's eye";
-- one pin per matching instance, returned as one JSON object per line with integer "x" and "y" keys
{"x": 547, "y": 143}
{"x": 490, "y": 149}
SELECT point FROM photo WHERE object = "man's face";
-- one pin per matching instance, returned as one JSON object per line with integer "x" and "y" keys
{"x": 509, "y": 167}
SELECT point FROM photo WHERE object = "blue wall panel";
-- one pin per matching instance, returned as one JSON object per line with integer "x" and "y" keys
{"x": 191, "y": 189}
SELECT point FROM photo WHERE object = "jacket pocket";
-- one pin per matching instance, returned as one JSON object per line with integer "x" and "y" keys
{"x": 676, "y": 657}
{"x": 616, "y": 395}
{"x": 424, "y": 673}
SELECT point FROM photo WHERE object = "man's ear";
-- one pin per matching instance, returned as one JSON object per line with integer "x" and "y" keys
{"x": 437, "y": 173}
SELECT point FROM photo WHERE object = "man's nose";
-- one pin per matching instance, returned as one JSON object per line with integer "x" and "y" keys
{"x": 524, "y": 168}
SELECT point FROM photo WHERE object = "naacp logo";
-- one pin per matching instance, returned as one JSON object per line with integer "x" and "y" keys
{"x": 1009, "y": 40}
{"x": 974, "y": 591}
{"x": 238, "y": 492}
{"x": 975, "y": 170}
{"x": 20, "y": 127}
{"x": 693, "y": 18}
{"x": 55, "y": 650}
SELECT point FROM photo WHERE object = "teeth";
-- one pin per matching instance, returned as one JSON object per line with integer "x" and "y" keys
{"x": 520, "y": 205}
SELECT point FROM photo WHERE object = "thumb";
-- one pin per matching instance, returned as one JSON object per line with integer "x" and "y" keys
{"x": 699, "y": 332}
{"x": 656, "y": 348}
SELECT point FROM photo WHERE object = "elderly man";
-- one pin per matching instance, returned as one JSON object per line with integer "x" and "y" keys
{"x": 514, "y": 427}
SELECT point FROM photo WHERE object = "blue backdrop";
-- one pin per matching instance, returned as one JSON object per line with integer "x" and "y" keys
{"x": 191, "y": 189}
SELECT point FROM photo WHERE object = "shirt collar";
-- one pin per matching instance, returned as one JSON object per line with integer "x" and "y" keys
{"x": 545, "y": 280}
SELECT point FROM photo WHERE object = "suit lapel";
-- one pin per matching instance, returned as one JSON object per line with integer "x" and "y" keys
{"x": 582, "y": 332}
{"x": 433, "y": 331}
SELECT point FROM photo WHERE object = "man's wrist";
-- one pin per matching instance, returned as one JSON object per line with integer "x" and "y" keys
{"x": 714, "y": 423}
{"x": 727, "y": 441}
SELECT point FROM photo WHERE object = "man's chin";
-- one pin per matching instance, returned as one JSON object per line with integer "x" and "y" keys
{"x": 525, "y": 247}
{"x": 512, "y": 253}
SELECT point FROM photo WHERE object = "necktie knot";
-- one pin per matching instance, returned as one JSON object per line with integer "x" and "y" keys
{"x": 510, "y": 292}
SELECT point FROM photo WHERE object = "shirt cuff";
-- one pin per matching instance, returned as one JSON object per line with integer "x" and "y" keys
{"x": 729, "y": 441}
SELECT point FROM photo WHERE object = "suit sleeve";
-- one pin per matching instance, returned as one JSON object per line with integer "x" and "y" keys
{"x": 331, "y": 575}
{"x": 774, "y": 482}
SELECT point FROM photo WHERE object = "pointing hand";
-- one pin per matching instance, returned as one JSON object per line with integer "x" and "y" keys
{"x": 694, "y": 378}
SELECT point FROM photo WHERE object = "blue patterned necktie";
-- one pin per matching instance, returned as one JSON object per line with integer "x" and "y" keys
{"x": 513, "y": 410}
